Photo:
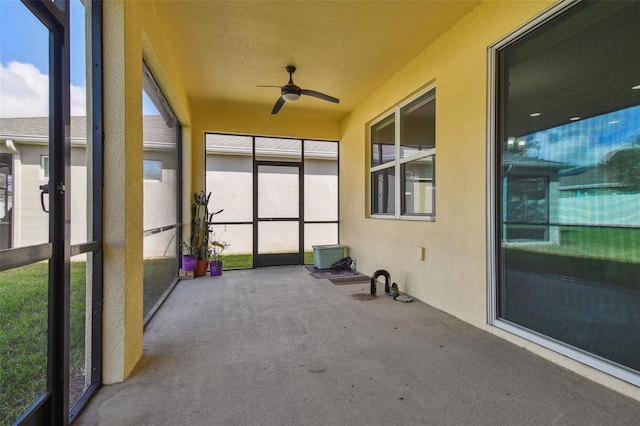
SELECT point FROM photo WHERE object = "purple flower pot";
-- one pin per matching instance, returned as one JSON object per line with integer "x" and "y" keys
{"x": 189, "y": 262}
{"x": 215, "y": 268}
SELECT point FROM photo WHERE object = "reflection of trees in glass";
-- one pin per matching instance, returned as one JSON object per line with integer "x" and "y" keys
{"x": 527, "y": 199}
{"x": 624, "y": 165}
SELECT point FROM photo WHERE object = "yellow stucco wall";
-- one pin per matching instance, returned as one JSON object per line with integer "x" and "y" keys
{"x": 453, "y": 275}
{"x": 123, "y": 229}
{"x": 131, "y": 33}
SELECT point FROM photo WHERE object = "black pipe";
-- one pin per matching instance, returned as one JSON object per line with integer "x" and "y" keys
{"x": 387, "y": 279}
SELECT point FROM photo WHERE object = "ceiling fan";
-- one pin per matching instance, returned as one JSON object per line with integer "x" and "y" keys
{"x": 291, "y": 93}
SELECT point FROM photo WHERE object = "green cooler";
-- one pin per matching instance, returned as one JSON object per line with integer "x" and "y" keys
{"x": 325, "y": 256}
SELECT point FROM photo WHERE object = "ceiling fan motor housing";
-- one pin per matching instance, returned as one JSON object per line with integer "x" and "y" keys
{"x": 290, "y": 92}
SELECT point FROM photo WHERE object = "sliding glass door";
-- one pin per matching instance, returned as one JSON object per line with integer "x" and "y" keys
{"x": 567, "y": 184}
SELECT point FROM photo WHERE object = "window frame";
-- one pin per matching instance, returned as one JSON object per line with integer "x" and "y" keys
{"x": 152, "y": 89}
{"x": 398, "y": 162}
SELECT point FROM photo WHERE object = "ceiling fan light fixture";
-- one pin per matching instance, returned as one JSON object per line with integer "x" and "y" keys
{"x": 291, "y": 96}
{"x": 291, "y": 93}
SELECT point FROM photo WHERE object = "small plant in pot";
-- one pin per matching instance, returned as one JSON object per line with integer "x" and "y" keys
{"x": 217, "y": 246}
{"x": 200, "y": 228}
{"x": 189, "y": 257}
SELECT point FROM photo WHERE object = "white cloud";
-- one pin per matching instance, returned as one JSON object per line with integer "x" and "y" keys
{"x": 24, "y": 92}
{"x": 78, "y": 101}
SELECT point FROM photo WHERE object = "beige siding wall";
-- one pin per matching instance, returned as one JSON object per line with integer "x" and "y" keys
{"x": 229, "y": 178}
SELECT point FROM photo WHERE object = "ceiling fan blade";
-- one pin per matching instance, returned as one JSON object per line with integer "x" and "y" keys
{"x": 278, "y": 105}
{"x": 320, "y": 96}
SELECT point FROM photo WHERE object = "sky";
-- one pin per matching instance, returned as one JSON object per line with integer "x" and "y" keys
{"x": 24, "y": 63}
{"x": 586, "y": 142}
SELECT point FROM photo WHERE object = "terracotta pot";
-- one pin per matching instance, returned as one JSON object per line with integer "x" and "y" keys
{"x": 201, "y": 267}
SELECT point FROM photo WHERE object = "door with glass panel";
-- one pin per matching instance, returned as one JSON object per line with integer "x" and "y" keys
{"x": 28, "y": 270}
{"x": 278, "y": 214}
{"x": 26, "y": 251}
{"x": 50, "y": 197}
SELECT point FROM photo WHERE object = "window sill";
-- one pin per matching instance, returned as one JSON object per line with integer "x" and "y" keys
{"x": 406, "y": 217}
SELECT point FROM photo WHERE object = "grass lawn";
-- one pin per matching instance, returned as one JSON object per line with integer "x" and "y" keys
{"x": 238, "y": 261}
{"x": 605, "y": 255}
{"x": 618, "y": 244}
{"x": 23, "y": 334}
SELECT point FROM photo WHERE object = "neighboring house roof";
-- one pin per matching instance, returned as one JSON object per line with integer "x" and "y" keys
{"x": 519, "y": 160}
{"x": 156, "y": 130}
{"x": 594, "y": 177}
{"x": 158, "y": 136}
{"x": 37, "y": 128}
{"x": 570, "y": 178}
{"x": 270, "y": 147}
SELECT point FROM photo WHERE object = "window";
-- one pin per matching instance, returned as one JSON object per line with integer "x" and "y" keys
{"x": 44, "y": 166}
{"x": 403, "y": 144}
{"x": 152, "y": 170}
{"x": 566, "y": 202}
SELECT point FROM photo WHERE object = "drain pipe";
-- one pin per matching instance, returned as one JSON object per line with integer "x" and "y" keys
{"x": 387, "y": 279}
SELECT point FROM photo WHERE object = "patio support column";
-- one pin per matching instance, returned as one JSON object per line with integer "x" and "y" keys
{"x": 123, "y": 191}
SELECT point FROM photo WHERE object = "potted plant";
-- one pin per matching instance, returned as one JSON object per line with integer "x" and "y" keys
{"x": 200, "y": 229}
{"x": 216, "y": 248}
{"x": 189, "y": 258}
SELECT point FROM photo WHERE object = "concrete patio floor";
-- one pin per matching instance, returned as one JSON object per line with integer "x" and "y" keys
{"x": 275, "y": 346}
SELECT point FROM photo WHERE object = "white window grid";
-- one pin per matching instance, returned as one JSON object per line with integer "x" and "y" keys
{"x": 398, "y": 162}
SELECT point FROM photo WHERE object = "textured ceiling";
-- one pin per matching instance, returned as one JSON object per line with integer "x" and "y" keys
{"x": 346, "y": 49}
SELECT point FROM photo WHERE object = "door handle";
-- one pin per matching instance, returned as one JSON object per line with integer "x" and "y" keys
{"x": 44, "y": 189}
